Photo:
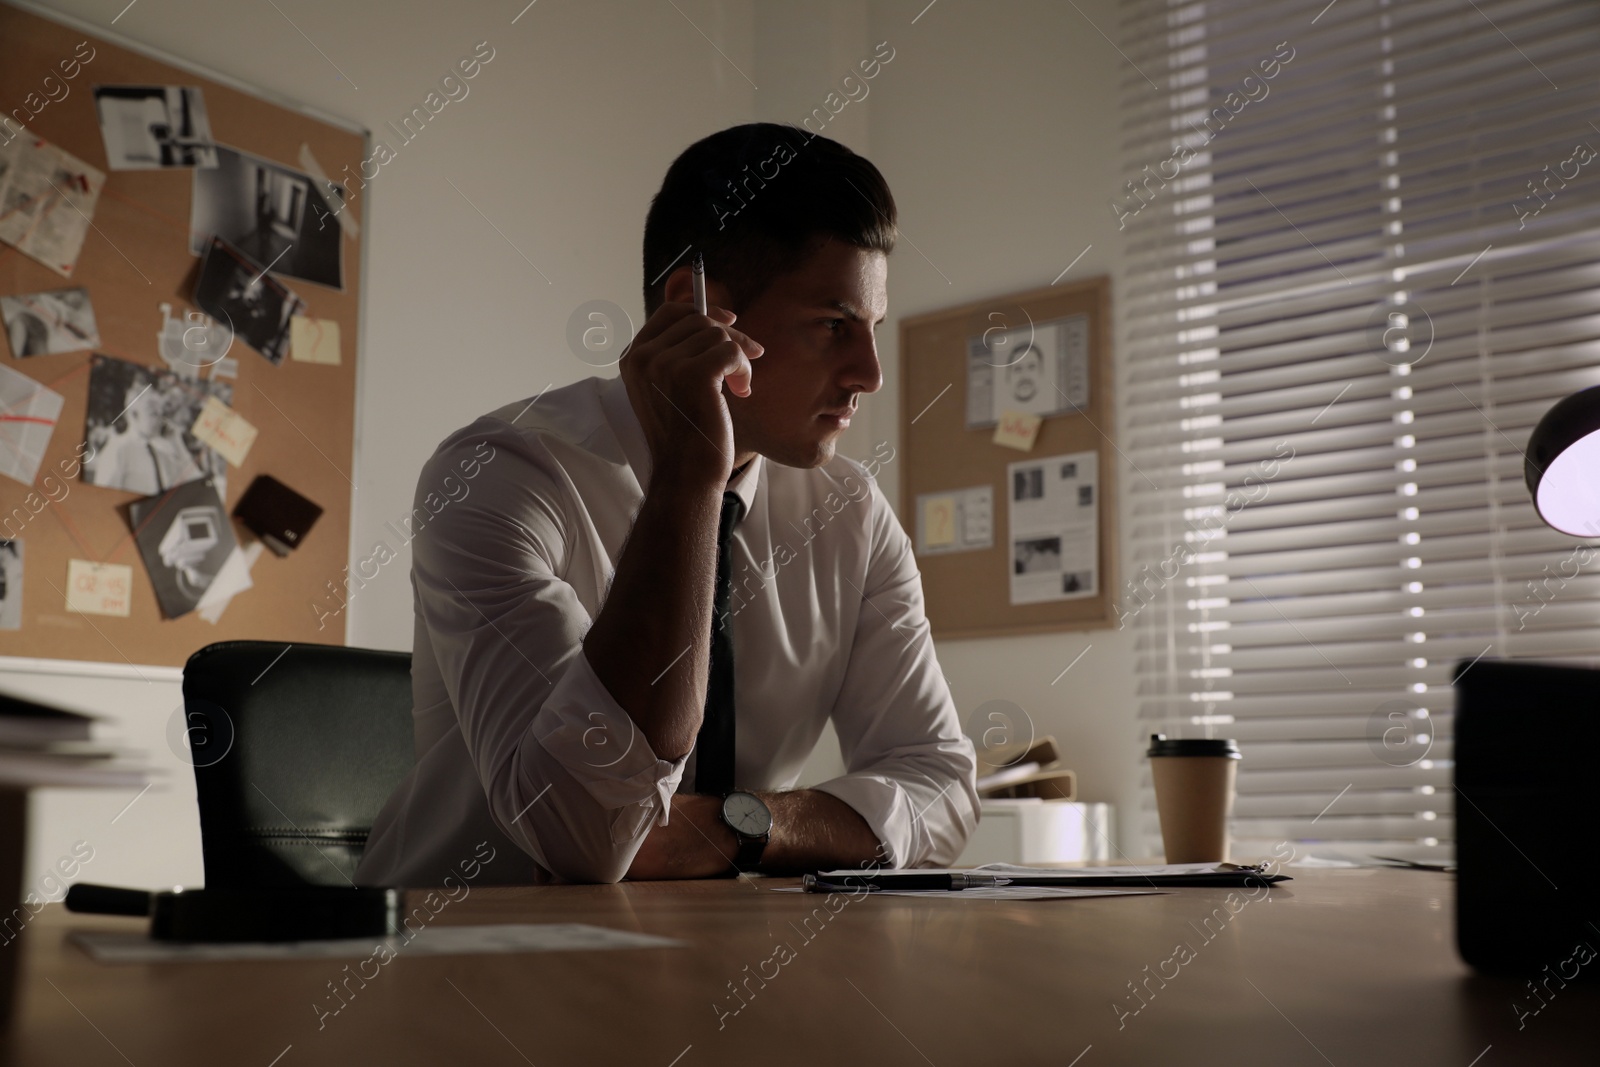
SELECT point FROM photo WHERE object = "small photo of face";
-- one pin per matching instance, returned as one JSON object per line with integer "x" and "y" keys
{"x": 1024, "y": 374}
{"x": 144, "y": 414}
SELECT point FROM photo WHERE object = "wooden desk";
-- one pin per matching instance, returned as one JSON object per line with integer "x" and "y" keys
{"x": 1342, "y": 967}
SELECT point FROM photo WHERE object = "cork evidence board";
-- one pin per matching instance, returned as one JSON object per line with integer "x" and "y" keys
{"x": 121, "y": 170}
{"x": 1015, "y": 537}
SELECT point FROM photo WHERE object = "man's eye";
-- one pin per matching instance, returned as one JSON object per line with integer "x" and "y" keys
{"x": 834, "y": 324}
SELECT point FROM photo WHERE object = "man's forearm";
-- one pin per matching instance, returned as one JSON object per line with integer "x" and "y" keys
{"x": 650, "y": 645}
{"x": 811, "y": 831}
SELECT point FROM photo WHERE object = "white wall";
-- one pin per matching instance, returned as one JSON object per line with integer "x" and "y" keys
{"x": 995, "y": 126}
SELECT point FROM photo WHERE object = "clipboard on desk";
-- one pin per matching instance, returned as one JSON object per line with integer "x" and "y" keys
{"x": 1159, "y": 876}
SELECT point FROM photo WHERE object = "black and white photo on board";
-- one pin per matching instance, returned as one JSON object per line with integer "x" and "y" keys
{"x": 1036, "y": 555}
{"x": 44, "y": 324}
{"x": 184, "y": 537}
{"x": 255, "y": 306}
{"x": 153, "y": 127}
{"x": 137, "y": 427}
{"x": 1027, "y": 484}
{"x": 267, "y": 211}
{"x": 10, "y": 584}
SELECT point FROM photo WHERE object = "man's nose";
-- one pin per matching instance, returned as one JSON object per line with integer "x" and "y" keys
{"x": 864, "y": 373}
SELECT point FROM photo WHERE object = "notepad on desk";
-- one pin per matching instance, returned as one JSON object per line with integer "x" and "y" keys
{"x": 1006, "y": 875}
{"x": 995, "y": 892}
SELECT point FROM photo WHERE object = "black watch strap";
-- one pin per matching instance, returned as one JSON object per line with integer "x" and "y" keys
{"x": 748, "y": 857}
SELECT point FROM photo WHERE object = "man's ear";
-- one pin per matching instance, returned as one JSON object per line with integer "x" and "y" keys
{"x": 680, "y": 288}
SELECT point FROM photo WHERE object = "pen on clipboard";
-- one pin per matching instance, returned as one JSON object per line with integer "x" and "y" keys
{"x": 699, "y": 273}
{"x": 936, "y": 883}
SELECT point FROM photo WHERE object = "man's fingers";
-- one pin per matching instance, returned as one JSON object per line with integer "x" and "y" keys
{"x": 751, "y": 346}
{"x": 669, "y": 315}
{"x": 736, "y": 374}
{"x": 673, "y": 331}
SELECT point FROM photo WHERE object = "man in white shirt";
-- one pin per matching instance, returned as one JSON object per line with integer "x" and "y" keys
{"x": 574, "y": 683}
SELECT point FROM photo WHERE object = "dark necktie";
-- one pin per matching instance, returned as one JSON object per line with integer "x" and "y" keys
{"x": 155, "y": 461}
{"x": 714, "y": 746}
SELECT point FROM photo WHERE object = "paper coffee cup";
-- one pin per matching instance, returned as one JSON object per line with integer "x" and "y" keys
{"x": 1194, "y": 780}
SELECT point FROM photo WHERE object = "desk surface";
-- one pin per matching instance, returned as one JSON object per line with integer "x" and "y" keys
{"x": 1344, "y": 967}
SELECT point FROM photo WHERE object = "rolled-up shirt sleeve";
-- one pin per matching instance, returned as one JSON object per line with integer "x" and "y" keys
{"x": 912, "y": 773}
{"x": 566, "y": 774}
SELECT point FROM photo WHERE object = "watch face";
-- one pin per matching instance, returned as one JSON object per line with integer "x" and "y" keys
{"x": 746, "y": 814}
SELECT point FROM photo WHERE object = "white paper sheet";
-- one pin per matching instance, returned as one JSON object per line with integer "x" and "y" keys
{"x": 1074, "y": 873}
{"x": 1019, "y": 892}
{"x": 233, "y": 579}
{"x": 28, "y": 414}
{"x": 47, "y": 197}
{"x": 1054, "y": 520}
{"x": 1136, "y": 870}
{"x": 1002, "y": 892}
{"x": 118, "y": 947}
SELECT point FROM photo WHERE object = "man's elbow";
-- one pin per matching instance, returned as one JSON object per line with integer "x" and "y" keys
{"x": 574, "y": 843}
{"x": 965, "y": 805}
{"x": 964, "y": 809}
{"x": 573, "y": 861}
{"x": 591, "y": 870}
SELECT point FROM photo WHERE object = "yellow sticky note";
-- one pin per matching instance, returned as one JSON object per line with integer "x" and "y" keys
{"x": 1017, "y": 429}
{"x": 98, "y": 588}
{"x": 224, "y": 429}
{"x": 314, "y": 340}
{"x": 939, "y": 521}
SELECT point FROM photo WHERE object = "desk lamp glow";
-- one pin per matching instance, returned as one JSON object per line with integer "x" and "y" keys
{"x": 1563, "y": 465}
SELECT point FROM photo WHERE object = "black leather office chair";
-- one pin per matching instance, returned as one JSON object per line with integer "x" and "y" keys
{"x": 295, "y": 749}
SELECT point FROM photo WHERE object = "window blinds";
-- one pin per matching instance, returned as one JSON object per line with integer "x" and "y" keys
{"x": 1362, "y": 260}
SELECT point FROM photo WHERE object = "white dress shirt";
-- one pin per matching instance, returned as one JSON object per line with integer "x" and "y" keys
{"x": 523, "y": 516}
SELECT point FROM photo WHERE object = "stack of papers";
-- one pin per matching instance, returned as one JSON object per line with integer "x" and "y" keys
{"x": 1005, "y": 881}
{"x": 107, "y": 946}
{"x": 1155, "y": 874}
{"x": 46, "y": 746}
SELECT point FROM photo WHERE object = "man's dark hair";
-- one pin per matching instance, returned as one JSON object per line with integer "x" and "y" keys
{"x": 758, "y": 200}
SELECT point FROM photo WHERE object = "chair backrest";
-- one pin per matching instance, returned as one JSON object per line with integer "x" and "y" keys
{"x": 295, "y": 749}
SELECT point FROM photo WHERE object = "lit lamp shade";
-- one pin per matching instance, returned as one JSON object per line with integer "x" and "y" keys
{"x": 1563, "y": 465}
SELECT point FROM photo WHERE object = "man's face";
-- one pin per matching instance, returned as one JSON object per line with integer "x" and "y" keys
{"x": 816, "y": 326}
{"x": 144, "y": 414}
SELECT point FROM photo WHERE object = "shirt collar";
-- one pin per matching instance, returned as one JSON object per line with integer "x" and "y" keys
{"x": 630, "y": 435}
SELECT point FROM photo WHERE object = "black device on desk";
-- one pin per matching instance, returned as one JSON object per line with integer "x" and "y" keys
{"x": 312, "y": 913}
{"x": 1527, "y": 736}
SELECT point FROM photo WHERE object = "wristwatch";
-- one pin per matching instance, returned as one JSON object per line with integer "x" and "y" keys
{"x": 751, "y": 820}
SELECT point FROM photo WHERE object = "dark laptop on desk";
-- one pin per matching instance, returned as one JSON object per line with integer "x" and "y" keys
{"x": 1527, "y": 776}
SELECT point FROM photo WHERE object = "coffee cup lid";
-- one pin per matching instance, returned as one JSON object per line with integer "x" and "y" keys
{"x": 1162, "y": 745}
